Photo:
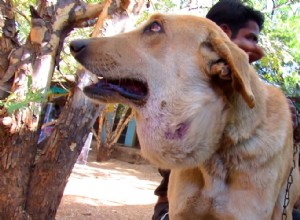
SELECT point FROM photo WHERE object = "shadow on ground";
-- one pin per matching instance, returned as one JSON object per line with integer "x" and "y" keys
{"x": 110, "y": 190}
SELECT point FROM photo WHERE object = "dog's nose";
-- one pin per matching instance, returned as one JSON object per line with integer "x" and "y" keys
{"x": 77, "y": 46}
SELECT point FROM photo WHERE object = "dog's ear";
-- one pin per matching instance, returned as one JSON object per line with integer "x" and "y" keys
{"x": 234, "y": 65}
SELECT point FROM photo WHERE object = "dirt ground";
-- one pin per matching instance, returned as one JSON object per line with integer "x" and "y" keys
{"x": 113, "y": 190}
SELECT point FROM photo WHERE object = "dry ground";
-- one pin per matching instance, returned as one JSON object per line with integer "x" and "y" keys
{"x": 113, "y": 190}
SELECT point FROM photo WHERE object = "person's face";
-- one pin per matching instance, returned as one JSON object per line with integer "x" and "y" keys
{"x": 247, "y": 40}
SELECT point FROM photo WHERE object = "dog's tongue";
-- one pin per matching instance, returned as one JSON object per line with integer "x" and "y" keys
{"x": 127, "y": 88}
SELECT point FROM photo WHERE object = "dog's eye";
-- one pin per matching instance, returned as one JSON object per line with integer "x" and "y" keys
{"x": 153, "y": 27}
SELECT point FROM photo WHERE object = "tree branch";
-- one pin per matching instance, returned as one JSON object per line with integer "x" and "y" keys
{"x": 121, "y": 128}
{"x": 87, "y": 12}
{"x": 102, "y": 16}
{"x": 275, "y": 7}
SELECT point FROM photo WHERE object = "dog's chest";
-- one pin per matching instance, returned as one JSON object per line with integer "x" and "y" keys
{"x": 190, "y": 202}
{"x": 202, "y": 194}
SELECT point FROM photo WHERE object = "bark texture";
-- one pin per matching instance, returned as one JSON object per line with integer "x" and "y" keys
{"x": 56, "y": 160}
{"x": 33, "y": 177}
{"x": 32, "y": 180}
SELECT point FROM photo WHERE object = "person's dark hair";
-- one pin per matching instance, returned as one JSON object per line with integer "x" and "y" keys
{"x": 234, "y": 14}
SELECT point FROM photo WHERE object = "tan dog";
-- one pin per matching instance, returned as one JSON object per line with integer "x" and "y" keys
{"x": 203, "y": 112}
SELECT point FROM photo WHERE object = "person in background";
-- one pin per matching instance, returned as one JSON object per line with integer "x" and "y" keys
{"x": 242, "y": 24}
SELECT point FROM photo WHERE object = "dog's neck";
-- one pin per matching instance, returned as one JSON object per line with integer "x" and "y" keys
{"x": 240, "y": 114}
{"x": 236, "y": 135}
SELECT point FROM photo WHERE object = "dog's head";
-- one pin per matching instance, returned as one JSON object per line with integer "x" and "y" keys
{"x": 178, "y": 72}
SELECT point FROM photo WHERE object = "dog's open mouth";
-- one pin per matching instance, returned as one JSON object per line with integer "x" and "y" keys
{"x": 120, "y": 90}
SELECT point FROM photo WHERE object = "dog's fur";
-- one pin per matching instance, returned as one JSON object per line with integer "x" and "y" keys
{"x": 226, "y": 135}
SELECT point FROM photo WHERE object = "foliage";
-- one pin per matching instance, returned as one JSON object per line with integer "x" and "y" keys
{"x": 163, "y": 6}
{"x": 14, "y": 101}
{"x": 155, "y": 6}
{"x": 22, "y": 15}
{"x": 68, "y": 65}
{"x": 280, "y": 39}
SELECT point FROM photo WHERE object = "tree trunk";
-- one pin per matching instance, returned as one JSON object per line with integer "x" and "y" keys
{"x": 56, "y": 160}
{"x": 105, "y": 144}
{"x": 32, "y": 179}
{"x": 32, "y": 184}
{"x": 104, "y": 152}
{"x": 17, "y": 156}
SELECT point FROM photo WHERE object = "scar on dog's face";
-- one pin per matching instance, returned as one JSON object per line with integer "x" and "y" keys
{"x": 178, "y": 73}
